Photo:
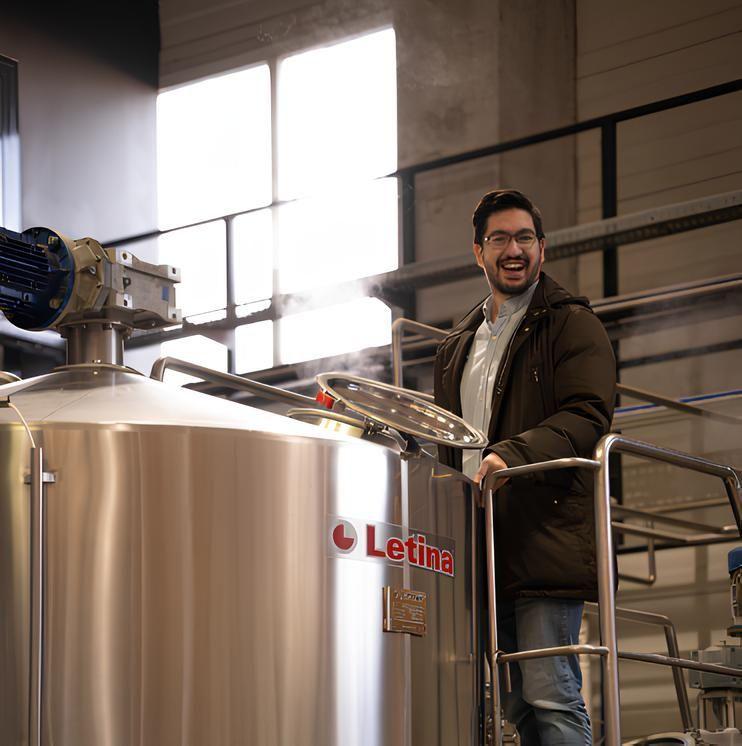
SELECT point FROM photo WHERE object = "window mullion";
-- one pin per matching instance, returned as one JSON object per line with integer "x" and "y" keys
{"x": 273, "y": 69}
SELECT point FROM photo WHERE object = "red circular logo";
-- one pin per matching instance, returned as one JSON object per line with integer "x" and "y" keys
{"x": 344, "y": 536}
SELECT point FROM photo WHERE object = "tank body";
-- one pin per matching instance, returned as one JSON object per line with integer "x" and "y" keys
{"x": 194, "y": 592}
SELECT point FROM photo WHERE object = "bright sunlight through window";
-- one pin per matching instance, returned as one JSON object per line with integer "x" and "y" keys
{"x": 199, "y": 253}
{"x": 323, "y": 332}
{"x": 214, "y": 147}
{"x": 337, "y": 115}
{"x": 336, "y": 125}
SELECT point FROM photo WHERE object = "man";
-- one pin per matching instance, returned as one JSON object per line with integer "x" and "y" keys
{"x": 533, "y": 368}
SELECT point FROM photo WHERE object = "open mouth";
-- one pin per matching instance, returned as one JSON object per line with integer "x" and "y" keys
{"x": 514, "y": 268}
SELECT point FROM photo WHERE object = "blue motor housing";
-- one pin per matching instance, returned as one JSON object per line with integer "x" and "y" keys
{"x": 734, "y": 559}
{"x": 36, "y": 276}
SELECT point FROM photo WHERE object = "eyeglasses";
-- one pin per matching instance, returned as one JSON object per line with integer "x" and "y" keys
{"x": 501, "y": 239}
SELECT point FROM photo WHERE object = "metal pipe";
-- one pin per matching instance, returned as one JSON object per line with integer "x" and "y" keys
{"x": 727, "y": 474}
{"x": 666, "y": 660}
{"x": 657, "y": 533}
{"x": 664, "y": 401}
{"x": 96, "y": 341}
{"x": 398, "y": 328}
{"x": 712, "y": 502}
{"x": 559, "y": 463}
{"x": 607, "y": 594}
{"x": 227, "y": 379}
{"x": 660, "y": 518}
{"x": 651, "y": 577}
{"x": 37, "y": 567}
{"x": 552, "y": 652}
{"x": 671, "y": 638}
{"x": 489, "y": 528}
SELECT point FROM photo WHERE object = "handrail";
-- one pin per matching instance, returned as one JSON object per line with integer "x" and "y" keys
{"x": 669, "y": 520}
{"x": 227, "y": 379}
{"x": 604, "y": 541}
{"x": 671, "y": 638}
{"x": 398, "y": 328}
{"x": 37, "y": 575}
{"x": 608, "y": 650}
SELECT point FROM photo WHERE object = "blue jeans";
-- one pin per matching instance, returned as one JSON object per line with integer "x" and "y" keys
{"x": 545, "y": 704}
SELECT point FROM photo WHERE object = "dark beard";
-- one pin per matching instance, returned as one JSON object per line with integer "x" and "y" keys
{"x": 530, "y": 278}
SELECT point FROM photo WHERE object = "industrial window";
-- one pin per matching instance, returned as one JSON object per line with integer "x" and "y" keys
{"x": 10, "y": 191}
{"x": 312, "y": 148}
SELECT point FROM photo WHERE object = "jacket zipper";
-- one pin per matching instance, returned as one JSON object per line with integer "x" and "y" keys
{"x": 503, "y": 367}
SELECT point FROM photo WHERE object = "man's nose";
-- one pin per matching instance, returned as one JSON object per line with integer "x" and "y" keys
{"x": 512, "y": 250}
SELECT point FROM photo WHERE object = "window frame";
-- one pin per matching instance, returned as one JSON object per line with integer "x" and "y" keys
{"x": 272, "y": 308}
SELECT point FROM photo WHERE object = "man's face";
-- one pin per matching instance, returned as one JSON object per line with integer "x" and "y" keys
{"x": 510, "y": 254}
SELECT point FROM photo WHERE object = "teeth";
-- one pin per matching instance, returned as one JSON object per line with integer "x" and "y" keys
{"x": 513, "y": 266}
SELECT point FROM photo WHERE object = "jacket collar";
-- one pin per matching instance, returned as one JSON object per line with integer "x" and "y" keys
{"x": 548, "y": 295}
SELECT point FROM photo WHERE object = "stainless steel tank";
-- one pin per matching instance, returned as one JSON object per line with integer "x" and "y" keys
{"x": 218, "y": 575}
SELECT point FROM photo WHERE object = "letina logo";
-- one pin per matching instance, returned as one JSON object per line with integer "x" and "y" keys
{"x": 390, "y": 542}
{"x": 344, "y": 536}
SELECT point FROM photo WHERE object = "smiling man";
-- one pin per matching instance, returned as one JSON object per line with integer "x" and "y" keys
{"x": 532, "y": 367}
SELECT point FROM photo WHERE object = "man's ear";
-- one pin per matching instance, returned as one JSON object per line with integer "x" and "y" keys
{"x": 477, "y": 249}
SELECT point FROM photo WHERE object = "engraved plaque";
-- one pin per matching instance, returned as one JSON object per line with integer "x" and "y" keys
{"x": 405, "y": 611}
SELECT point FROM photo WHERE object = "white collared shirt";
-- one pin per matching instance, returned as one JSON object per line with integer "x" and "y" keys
{"x": 480, "y": 372}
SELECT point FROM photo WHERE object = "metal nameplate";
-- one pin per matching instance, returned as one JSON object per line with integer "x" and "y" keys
{"x": 405, "y": 611}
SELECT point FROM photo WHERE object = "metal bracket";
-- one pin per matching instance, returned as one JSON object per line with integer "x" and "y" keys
{"x": 47, "y": 477}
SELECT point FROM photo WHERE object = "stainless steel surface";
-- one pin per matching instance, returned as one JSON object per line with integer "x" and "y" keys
{"x": 492, "y": 649}
{"x": 657, "y": 533}
{"x": 37, "y": 569}
{"x": 192, "y": 593}
{"x": 727, "y": 474}
{"x": 664, "y": 401}
{"x": 95, "y": 342}
{"x": 227, "y": 379}
{"x": 401, "y": 409}
{"x": 607, "y": 595}
{"x": 560, "y": 463}
{"x": 399, "y": 326}
{"x": 552, "y": 652}
{"x": 606, "y": 585}
{"x": 671, "y": 639}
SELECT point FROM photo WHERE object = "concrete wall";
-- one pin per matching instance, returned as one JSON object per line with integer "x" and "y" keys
{"x": 87, "y": 93}
{"x": 87, "y": 78}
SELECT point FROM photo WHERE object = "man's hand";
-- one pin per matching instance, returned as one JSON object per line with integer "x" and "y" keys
{"x": 489, "y": 464}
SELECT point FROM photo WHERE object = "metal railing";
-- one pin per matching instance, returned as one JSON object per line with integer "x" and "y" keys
{"x": 608, "y": 649}
{"x": 399, "y": 327}
{"x": 229, "y": 381}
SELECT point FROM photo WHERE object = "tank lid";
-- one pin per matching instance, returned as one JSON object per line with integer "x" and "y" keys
{"x": 401, "y": 409}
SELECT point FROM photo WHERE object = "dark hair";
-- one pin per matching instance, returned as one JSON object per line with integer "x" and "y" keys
{"x": 499, "y": 200}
